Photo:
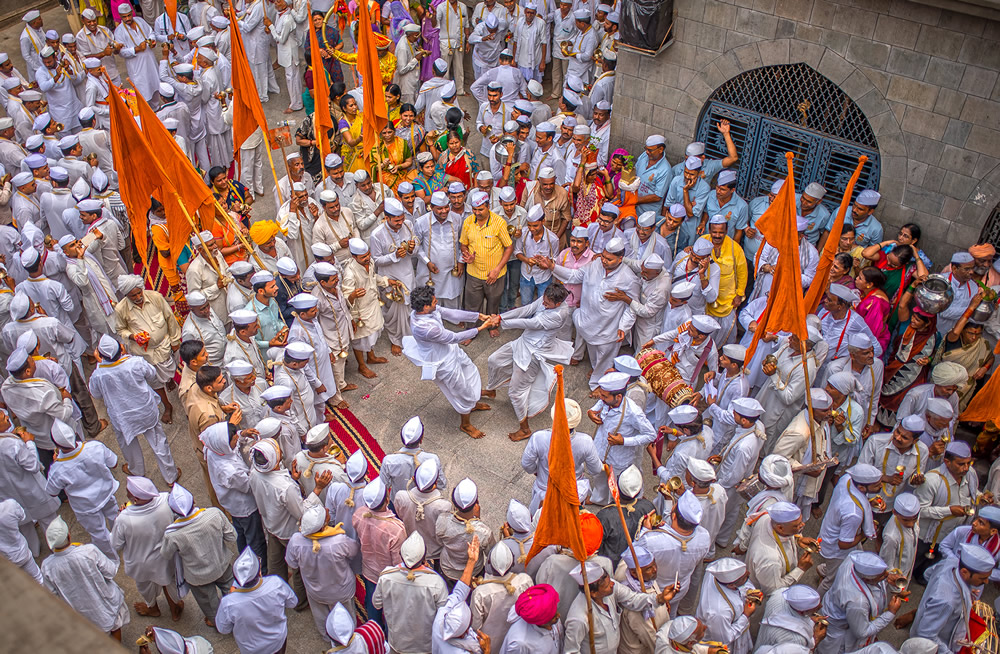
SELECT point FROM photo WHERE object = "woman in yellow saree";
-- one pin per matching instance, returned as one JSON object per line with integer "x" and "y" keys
{"x": 349, "y": 128}
{"x": 393, "y": 154}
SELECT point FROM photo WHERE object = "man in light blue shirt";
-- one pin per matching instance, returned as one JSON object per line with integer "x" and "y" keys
{"x": 810, "y": 206}
{"x": 710, "y": 167}
{"x": 653, "y": 172}
{"x": 269, "y": 316}
{"x": 726, "y": 202}
{"x": 691, "y": 190}
{"x": 868, "y": 230}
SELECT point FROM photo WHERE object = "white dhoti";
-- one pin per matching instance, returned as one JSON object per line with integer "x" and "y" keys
{"x": 220, "y": 151}
{"x": 293, "y": 82}
{"x": 157, "y": 440}
{"x": 528, "y": 389}
{"x": 165, "y": 371}
{"x": 252, "y": 168}
{"x": 366, "y": 343}
{"x": 96, "y": 524}
{"x": 460, "y": 384}
{"x": 397, "y": 320}
{"x": 734, "y": 509}
{"x": 602, "y": 357}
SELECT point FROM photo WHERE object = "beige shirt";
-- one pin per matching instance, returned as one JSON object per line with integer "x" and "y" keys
{"x": 154, "y": 317}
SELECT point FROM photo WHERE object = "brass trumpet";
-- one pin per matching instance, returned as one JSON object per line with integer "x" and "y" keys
{"x": 821, "y": 620}
{"x": 720, "y": 648}
{"x": 771, "y": 359}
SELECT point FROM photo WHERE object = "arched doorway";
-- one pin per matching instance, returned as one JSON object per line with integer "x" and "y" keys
{"x": 791, "y": 108}
{"x": 991, "y": 230}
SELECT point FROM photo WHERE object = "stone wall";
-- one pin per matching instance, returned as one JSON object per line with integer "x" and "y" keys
{"x": 926, "y": 78}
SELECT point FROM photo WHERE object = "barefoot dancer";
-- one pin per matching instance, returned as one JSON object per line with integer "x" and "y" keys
{"x": 435, "y": 349}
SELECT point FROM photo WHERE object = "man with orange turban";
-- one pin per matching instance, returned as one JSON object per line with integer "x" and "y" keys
{"x": 537, "y": 629}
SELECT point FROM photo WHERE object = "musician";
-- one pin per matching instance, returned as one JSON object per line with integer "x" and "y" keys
{"x": 737, "y": 460}
{"x": 622, "y": 428}
{"x": 691, "y": 347}
{"x": 691, "y": 439}
{"x": 804, "y": 444}
{"x": 982, "y": 531}
{"x": 774, "y": 558}
{"x": 946, "y": 606}
{"x": 944, "y": 496}
{"x": 867, "y": 370}
{"x": 848, "y": 520}
{"x": 858, "y": 605}
{"x": 889, "y": 451}
{"x": 700, "y": 479}
{"x": 899, "y": 537}
{"x": 393, "y": 243}
{"x": 775, "y": 475}
{"x": 725, "y": 605}
{"x": 789, "y": 620}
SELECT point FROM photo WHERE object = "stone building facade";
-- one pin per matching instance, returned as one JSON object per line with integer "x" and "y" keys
{"x": 924, "y": 77}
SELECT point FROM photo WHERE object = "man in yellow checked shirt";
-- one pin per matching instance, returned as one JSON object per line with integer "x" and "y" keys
{"x": 732, "y": 278}
{"x": 486, "y": 247}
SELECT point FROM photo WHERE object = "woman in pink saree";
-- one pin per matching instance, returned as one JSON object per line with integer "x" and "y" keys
{"x": 874, "y": 306}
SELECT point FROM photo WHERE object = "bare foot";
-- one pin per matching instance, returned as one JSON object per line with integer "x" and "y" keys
{"x": 171, "y": 385}
{"x": 344, "y": 405}
{"x": 176, "y": 610}
{"x": 396, "y": 350}
{"x": 905, "y": 620}
{"x": 465, "y": 342}
{"x": 494, "y": 333}
{"x": 518, "y": 435}
{"x": 349, "y": 387}
{"x": 575, "y": 362}
{"x": 367, "y": 372}
{"x": 472, "y": 431}
{"x": 289, "y": 110}
{"x": 374, "y": 359}
{"x": 210, "y": 623}
{"x": 179, "y": 472}
{"x": 816, "y": 512}
{"x": 168, "y": 416}
{"x": 481, "y": 406}
{"x": 148, "y": 611}
{"x": 489, "y": 394}
{"x": 592, "y": 394}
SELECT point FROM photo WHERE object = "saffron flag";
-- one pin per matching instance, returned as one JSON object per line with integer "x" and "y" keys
{"x": 169, "y": 6}
{"x": 248, "y": 114}
{"x": 322, "y": 119}
{"x": 191, "y": 189}
{"x": 985, "y": 405}
{"x": 559, "y": 523}
{"x": 785, "y": 306}
{"x": 140, "y": 176}
{"x": 375, "y": 113}
{"x": 822, "y": 279}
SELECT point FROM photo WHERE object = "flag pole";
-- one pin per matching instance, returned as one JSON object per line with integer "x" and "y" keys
{"x": 590, "y": 608}
{"x": 197, "y": 232}
{"x": 239, "y": 234}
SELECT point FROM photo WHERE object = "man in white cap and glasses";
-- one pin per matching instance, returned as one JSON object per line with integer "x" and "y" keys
{"x": 867, "y": 370}
{"x": 336, "y": 226}
{"x": 774, "y": 558}
{"x": 553, "y": 198}
{"x": 692, "y": 191}
{"x": 438, "y": 248}
{"x": 848, "y": 520}
{"x": 728, "y": 601}
{"x": 943, "y": 614}
{"x": 782, "y": 393}
{"x": 608, "y": 599}
{"x": 57, "y": 79}
{"x": 806, "y": 441}
{"x": 899, "y": 535}
{"x": 146, "y": 323}
{"x": 119, "y": 376}
{"x": 860, "y": 604}
{"x": 605, "y": 228}
{"x": 789, "y": 620}
{"x": 380, "y": 535}
{"x": 409, "y": 594}
{"x": 83, "y": 472}
{"x": 202, "y": 324}
{"x": 601, "y": 322}
{"x": 83, "y": 577}
{"x": 679, "y": 545}
{"x": 622, "y": 428}
{"x": 743, "y": 434}
{"x": 527, "y": 362}
{"x": 137, "y": 533}
{"x": 495, "y": 595}
{"x": 323, "y": 555}
{"x": 254, "y": 612}
{"x": 643, "y": 241}
{"x": 535, "y": 457}
{"x": 944, "y": 496}
{"x": 899, "y": 455}
{"x": 420, "y": 503}
{"x": 140, "y": 58}
{"x": 97, "y": 41}
{"x": 398, "y": 468}
{"x": 203, "y": 275}
{"x": 361, "y": 284}
{"x": 393, "y": 244}
{"x": 698, "y": 267}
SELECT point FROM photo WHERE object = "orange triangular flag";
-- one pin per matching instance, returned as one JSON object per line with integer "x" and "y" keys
{"x": 559, "y": 523}
{"x": 322, "y": 119}
{"x": 822, "y": 279}
{"x": 140, "y": 176}
{"x": 375, "y": 112}
{"x": 985, "y": 405}
{"x": 170, "y": 6}
{"x": 190, "y": 186}
{"x": 785, "y": 310}
{"x": 248, "y": 114}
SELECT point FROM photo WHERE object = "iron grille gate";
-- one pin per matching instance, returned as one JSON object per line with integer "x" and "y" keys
{"x": 779, "y": 109}
{"x": 991, "y": 230}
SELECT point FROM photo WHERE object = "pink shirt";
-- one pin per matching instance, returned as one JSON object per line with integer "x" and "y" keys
{"x": 380, "y": 534}
{"x": 568, "y": 259}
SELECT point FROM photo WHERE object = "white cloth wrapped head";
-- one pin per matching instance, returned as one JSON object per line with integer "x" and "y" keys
{"x": 340, "y": 625}
{"x": 141, "y": 488}
{"x": 180, "y": 500}
{"x": 246, "y": 567}
{"x": 57, "y": 533}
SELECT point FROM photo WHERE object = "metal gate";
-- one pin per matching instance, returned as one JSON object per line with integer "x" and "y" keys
{"x": 791, "y": 108}
{"x": 991, "y": 230}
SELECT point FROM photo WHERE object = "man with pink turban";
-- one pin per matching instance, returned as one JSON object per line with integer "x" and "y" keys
{"x": 535, "y": 626}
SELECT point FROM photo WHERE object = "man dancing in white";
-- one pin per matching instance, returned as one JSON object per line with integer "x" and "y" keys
{"x": 435, "y": 349}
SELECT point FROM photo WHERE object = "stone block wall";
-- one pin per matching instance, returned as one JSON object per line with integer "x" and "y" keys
{"x": 926, "y": 78}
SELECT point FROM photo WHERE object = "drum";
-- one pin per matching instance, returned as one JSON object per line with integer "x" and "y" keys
{"x": 664, "y": 379}
{"x": 982, "y": 633}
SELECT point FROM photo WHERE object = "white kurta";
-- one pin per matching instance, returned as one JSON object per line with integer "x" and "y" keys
{"x": 535, "y": 461}
{"x": 84, "y": 578}
{"x": 138, "y": 533}
{"x": 210, "y": 331}
{"x": 436, "y": 350}
{"x": 675, "y": 554}
{"x": 721, "y": 609}
{"x": 771, "y": 558}
{"x": 21, "y": 479}
{"x": 856, "y": 611}
{"x": 943, "y": 614}
{"x": 939, "y": 492}
{"x": 256, "y": 617}
{"x": 438, "y": 243}
{"x": 141, "y": 65}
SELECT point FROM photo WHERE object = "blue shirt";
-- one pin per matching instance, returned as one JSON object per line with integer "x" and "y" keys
{"x": 756, "y": 208}
{"x": 699, "y": 195}
{"x": 270, "y": 322}
{"x": 653, "y": 181}
{"x": 710, "y": 167}
{"x": 867, "y": 233}
{"x": 820, "y": 220}
{"x": 736, "y": 212}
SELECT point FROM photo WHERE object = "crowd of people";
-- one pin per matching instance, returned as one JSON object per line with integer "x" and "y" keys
{"x": 587, "y": 254}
